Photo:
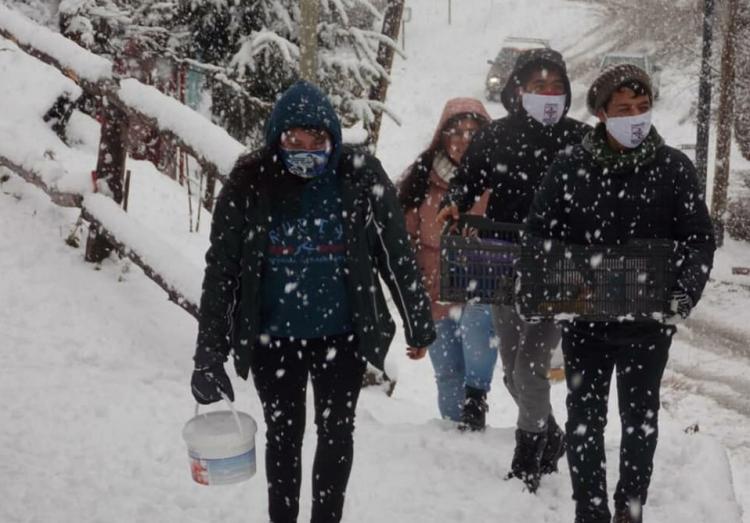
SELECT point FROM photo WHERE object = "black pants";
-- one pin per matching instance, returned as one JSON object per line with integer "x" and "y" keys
{"x": 280, "y": 371}
{"x": 589, "y": 362}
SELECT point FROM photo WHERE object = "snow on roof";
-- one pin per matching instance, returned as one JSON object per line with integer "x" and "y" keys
{"x": 206, "y": 138}
{"x": 70, "y": 55}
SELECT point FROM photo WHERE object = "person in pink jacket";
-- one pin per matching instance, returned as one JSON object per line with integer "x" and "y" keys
{"x": 465, "y": 351}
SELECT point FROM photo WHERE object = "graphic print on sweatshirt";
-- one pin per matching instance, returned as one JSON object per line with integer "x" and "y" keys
{"x": 292, "y": 239}
{"x": 304, "y": 287}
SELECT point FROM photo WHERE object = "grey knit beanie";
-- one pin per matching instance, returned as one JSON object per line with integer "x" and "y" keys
{"x": 612, "y": 78}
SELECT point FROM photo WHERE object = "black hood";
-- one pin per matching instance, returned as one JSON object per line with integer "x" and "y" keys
{"x": 526, "y": 61}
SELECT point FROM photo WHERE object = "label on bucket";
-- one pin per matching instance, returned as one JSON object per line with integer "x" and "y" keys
{"x": 222, "y": 471}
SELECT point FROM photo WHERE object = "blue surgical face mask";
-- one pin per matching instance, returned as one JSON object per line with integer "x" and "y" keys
{"x": 306, "y": 164}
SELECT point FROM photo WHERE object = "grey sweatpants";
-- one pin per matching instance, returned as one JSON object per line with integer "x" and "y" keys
{"x": 526, "y": 350}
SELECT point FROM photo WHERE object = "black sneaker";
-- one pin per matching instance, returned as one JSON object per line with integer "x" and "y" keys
{"x": 555, "y": 448}
{"x": 474, "y": 411}
{"x": 527, "y": 458}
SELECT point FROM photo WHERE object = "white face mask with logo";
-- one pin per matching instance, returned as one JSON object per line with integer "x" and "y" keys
{"x": 629, "y": 131}
{"x": 544, "y": 108}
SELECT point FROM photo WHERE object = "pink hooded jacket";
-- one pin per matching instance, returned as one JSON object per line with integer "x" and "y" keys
{"x": 421, "y": 221}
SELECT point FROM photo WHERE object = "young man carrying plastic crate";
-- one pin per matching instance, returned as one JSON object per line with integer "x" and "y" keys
{"x": 622, "y": 183}
{"x": 510, "y": 157}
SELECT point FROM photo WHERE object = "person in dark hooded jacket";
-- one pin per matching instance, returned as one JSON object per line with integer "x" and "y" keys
{"x": 302, "y": 232}
{"x": 510, "y": 157}
{"x": 621, "y": 183}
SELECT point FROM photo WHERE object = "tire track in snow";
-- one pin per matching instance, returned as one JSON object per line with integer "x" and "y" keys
{"x": 719, "y": 363}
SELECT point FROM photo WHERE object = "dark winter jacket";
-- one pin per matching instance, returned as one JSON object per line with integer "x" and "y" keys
{"x": 511, "y": 155}
{"x": 593, "y": 195}
{"x": 377, "y": 245}
{"x": 303, "y": 287}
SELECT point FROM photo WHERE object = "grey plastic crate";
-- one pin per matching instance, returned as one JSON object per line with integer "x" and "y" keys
{"x": 477, "y": 261}
{"x": 596, "y": 282}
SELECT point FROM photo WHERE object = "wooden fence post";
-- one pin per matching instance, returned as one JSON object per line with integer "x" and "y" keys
{"x": 209, "y": 194}
{"x": 110, "y": 168}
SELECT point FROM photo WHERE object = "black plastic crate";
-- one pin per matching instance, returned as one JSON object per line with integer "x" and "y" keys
{"x": 477, "y": 261}
{"x": 596, "y": 282}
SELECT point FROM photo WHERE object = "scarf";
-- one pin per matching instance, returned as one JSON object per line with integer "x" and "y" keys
{"x": 615, "y": 161}
{"x": 444, "y": 167}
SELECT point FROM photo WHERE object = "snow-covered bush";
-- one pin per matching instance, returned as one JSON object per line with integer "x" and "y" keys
{"x": 42, "y": 12}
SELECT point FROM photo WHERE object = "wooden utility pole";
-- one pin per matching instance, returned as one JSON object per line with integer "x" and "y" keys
{"x": 391, "y": 25}
{"x": 724, "y": 130}
{"x": 742, "y": 80}
{"x": 309, "y": 15}
{"x": 704, "y": 97}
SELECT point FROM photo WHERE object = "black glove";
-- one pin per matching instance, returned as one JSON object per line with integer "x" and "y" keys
{"x": 208, "y": 383}
{"x": 680, "y": 303}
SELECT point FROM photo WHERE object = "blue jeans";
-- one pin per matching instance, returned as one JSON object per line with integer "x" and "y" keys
{"x": 463, "y": 355}
{"x": 480, "y": 345}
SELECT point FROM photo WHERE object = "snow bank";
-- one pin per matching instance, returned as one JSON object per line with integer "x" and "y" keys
{"x": 28, "y": 90}
{"x": 70, "y": 55}
{"x": 181, "y": 274}
{"x": 207, "y": 139}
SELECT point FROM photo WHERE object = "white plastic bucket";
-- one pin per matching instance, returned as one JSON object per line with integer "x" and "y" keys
{"x": 221, "y": 446}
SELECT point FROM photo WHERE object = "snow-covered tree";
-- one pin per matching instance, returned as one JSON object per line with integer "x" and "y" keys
{"x": 256, "y": 43}
{"x": 43, "y": 12}
{"x": 110, "y": 27}
{"x": 98, "y": 25}
{"x": 249, "y": 50}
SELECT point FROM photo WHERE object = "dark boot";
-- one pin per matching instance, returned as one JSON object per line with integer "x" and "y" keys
{"x": 626, "y": 515}
{"x": 555, "y": 448}
{"x": 527, "y": 458}
{"x": 474, "y": 410}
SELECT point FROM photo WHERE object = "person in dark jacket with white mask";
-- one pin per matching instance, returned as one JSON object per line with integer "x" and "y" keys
{"x": 510, "y": 157}
{"x": 302, "y": 232}
{"x": 621, "y": 183}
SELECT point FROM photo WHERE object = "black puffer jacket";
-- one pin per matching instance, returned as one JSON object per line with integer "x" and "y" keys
{"x": 588, "y": 197}
{"x": 377, "y": 245}
{"x": 511, "y": 155}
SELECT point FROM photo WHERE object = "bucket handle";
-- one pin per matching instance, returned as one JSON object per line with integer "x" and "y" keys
{"x": 231, "y": 407}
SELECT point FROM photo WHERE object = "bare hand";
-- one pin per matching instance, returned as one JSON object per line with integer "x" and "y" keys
{"x": 447, "y": 213}
{"x": 416, "y": 353}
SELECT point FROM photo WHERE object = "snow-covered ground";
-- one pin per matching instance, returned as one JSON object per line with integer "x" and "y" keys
{"x": 96, "y": 362}
{"x": 95, "y": 369}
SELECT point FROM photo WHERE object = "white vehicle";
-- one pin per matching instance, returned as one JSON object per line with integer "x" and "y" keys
{"x": 643, "y": 61}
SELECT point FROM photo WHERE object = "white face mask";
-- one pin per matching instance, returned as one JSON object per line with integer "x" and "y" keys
{"x": 544, "y": 108}
{"x": 629, "y": 131}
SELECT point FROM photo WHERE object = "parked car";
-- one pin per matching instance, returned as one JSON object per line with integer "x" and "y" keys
{"x": 643, "y": 61}
{"x": 502, "y": 65}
